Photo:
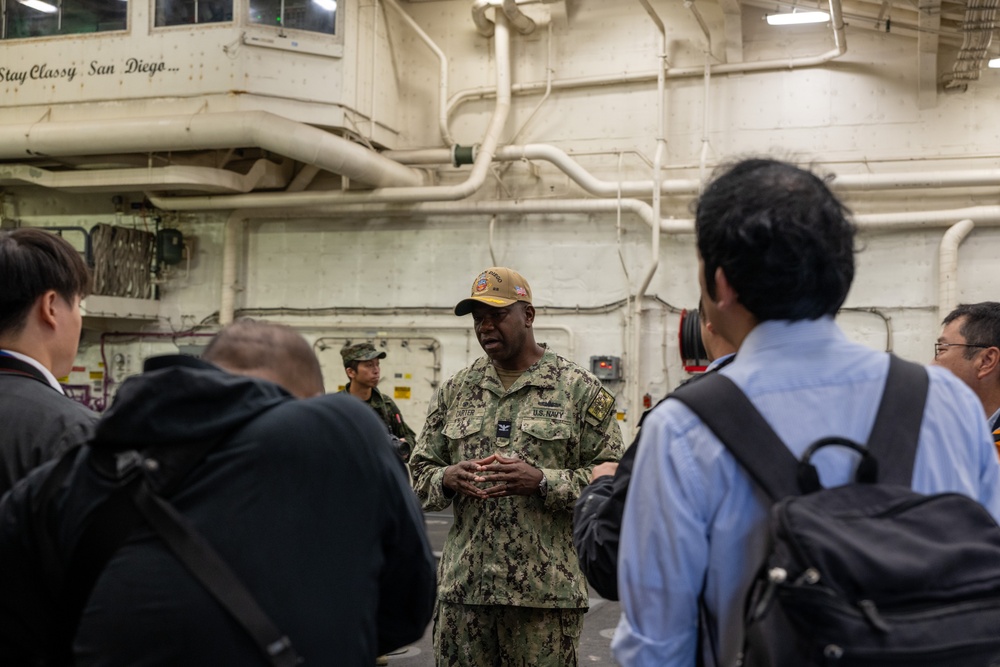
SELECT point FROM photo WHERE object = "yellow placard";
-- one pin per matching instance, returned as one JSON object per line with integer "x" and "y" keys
{"x": 401, "y": 392}
{"x": 96, "y": 375}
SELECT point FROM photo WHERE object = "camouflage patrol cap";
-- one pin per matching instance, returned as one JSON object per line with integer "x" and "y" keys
{"x": 497, "y": 286}
{"x": 360, "y": 352}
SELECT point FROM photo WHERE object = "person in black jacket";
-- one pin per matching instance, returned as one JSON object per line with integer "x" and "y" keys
{"x": 597, "y": 515}
{"x": 42, "y": 280}
{"x": 304, "y": 499}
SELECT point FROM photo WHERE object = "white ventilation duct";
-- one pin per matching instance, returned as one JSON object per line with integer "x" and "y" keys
{"x": 948, "y": 266}
{"x": 484, "y": 156}
{"x": 208, "y": 131}
{"x": 263, "y": 174}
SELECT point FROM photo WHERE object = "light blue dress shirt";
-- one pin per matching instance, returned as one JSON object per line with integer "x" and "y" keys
{"x": 693, "y": 517}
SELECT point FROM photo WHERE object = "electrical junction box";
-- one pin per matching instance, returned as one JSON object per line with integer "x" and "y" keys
{"x": 606, "y": 368}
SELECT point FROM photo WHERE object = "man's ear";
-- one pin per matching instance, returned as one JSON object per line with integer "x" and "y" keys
{"x": 989, "y": 362}
{"x": 725, "y": 295}
{"x": 47, "y": 308}
{"x": 350, "y": 372}
{"x": 529, "y": 315}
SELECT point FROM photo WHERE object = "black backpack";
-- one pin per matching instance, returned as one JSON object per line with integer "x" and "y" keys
{"x": 145, "y": 480}
{"x": 867, "y": 573}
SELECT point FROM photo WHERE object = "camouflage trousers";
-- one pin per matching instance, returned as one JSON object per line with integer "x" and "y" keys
{"x": 497, "y": 636}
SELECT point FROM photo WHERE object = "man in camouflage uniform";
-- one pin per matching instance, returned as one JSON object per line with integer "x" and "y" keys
{"x": 363, "y": 375}
{"x": 511, "y": 441}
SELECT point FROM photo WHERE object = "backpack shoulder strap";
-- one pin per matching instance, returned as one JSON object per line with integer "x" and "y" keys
{"x": 893, "y": 440}
{"x": 209, "y": 568}
{"x": 730, "y": 415}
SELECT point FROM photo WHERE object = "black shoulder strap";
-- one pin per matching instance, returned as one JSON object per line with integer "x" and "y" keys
{"x": 111, "y": 524}
{"x": 730, "y": 415}
{"x": 208, "y": 567}
{"x": 894, "y": 437}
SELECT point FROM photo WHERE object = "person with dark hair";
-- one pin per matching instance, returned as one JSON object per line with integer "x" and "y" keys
{"x": 775, "y": 262}
{"x": 509, "y": 442}
{"x": 42, "y": 281}
{"x": 969, "y": 347}
{"x": 303, "y": 500}
{"x": 268, "y": 351}
{"x": 361, "y": 364}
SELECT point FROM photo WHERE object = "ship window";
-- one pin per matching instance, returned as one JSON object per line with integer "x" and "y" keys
{"x": 42, "y": 18}
{"x": 312, "y": 15}
{"x": 188, "y": 12}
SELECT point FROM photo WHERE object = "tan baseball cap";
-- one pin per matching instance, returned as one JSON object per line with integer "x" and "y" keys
{"x": 497, "y": 286}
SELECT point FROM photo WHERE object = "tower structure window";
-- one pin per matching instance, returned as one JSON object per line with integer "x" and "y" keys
{"x": 312, "y": 15}
{"x": 42, "y": 18}
{"x": 189, "y": 12}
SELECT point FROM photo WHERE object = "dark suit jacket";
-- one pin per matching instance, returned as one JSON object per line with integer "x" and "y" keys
{"x": 37, "y": 423}
{"x": 597, "y": 517}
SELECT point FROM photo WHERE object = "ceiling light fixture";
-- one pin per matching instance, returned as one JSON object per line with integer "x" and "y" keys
{"x": 995, "y": 63}
{"x": 797, "y": 18}
{"x": 328, "y": 5}
{"x": 40, "y": 6}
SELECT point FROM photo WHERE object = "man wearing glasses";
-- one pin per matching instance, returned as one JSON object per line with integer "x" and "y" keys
{"x": 969, "y": 346}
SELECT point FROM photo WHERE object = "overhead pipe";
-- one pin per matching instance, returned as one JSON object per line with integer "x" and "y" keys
{"x": 375, "y": 78}
{"x": 689, "y": 4}
{"x": 560, "y": 159}
{"x": 948, "y": 266}
{"x": 548, "y": 90}
{"x": 303, "y": 178}
{"x": 443, "y": 75}
{"x": 912, "y": 220}
{"x": 557, "y": 157}
{"x": 521, "y": 22}
{"x": 989, "y": 215}
{"x": 263, "y": 174}
{"x": 230, "y": 237}
{"x": 689, "y": 186}
{"x": 209, "y": 131}
{"x": 484, "y": 155}
{"x": 705, "y": 124}
{"x": 840, "y": 48}
{"x": 654, "y": 261}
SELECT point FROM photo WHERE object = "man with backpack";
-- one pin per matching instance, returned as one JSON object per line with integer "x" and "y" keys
{"x": 776, "y": 260}
{"x": 216, "y": 519}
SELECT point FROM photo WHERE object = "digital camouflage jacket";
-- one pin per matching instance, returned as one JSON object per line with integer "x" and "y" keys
{"x": 389, "y": 413}
{"x": 516, "y": 550}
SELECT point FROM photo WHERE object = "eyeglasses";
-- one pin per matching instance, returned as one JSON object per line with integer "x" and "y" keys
{"x": 939, "y": 347}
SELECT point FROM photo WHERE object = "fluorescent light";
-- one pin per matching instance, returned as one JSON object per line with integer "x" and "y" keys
{"x": 995, "y": 63}
{"x": 40, "y": 6}
{"x": 795, "y": 18}
{"x": 328, "y": 5}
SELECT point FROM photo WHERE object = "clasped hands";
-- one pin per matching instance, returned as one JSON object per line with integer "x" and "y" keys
{"x": 493, "y": 477}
